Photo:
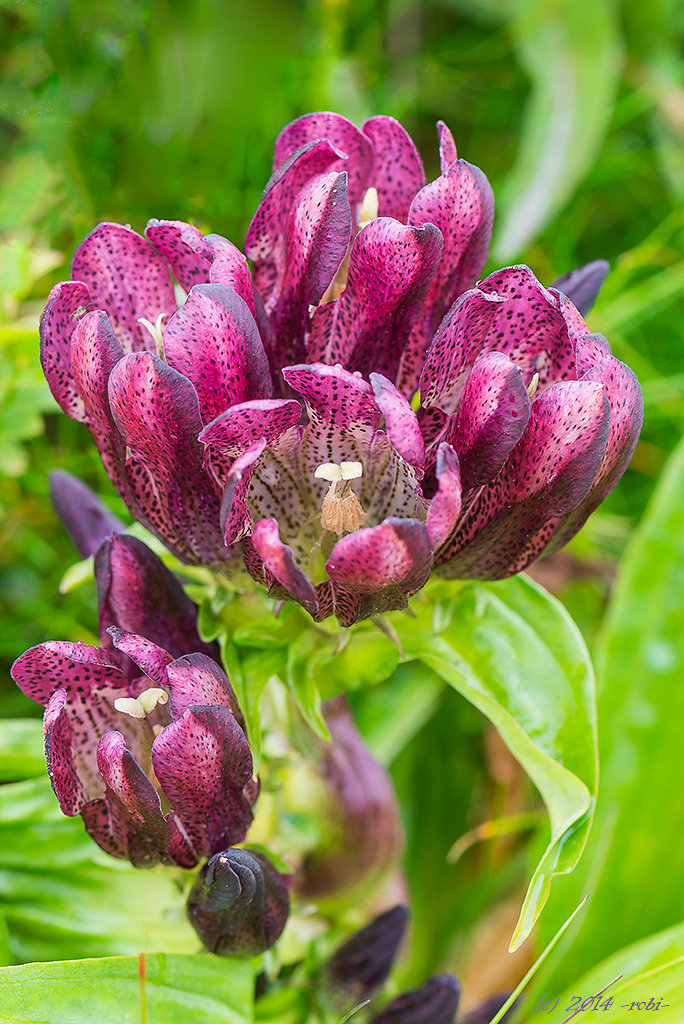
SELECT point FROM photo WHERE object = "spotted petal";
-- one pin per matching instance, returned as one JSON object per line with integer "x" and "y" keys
{"x": 73, "y": 667}
{"x": 401, "y": 422}
{"x": 237, "y": 428}
{"x": 397, "y": 170}
{"x": 354, "y": 149}
{"x": 445, "y": 506}
{"x": 196, "y": 679}
{"x": 60, "y": 755}
{"x": 66, "y": 303}
{"x": 279, "y": 560}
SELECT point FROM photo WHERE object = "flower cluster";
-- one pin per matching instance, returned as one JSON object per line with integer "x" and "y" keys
{"x": 356, "y": 411}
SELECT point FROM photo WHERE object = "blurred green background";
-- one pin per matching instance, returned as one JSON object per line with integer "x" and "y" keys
{"x": 575, "y": 111}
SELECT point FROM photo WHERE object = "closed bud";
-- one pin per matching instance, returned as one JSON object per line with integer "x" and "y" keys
{"x": 435, "y": 1002}
{"x": 362, "y": 965}
{"x": 239, "y": 904}
{"x": 486, "y": 1011}
{"x": 84, "y": 515}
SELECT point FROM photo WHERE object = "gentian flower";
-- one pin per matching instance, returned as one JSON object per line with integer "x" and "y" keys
{"x": 146, "y": 745}
{"x": 85, "y": 516}
{"x": 271, "y": 422}
{"x": 239, "y": 903}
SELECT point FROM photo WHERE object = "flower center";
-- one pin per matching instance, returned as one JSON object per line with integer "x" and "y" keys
{"x": 143, "y": 704}
{"x": 341, "y": 511}
{"x": 156, "y": 329}
{"x": 532, "y": 386}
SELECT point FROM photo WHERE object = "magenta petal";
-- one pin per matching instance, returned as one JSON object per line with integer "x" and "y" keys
{"x": 390, "y": 269}
{"x": 236, "y": 521}
{"x": 151, "y": 659}
{"x": 447, "y": 147}
{"x": 203, "y": 763}
{"x": 445, "y": 506}
{"x": 196, "y": 679}
{"x": 66, "y": 303}
{"x": 136, "y": 592}
{"x": 128, "y": 278}
{"x": 461, "y": 337}
{"x": 401, "y": 422}
{"x": 491, "y": 417}
{"x": 157, "y": 411}
{"x": 241, "y": 425}
{"x": 147, "y": 831}
{"x": 355, "y": 154}
{"x": 279, "y": 560}
{"x": 583, "y": 284}
{"x": 213, "y": 340}
{"x": 86, "y": 517}
{"x": 60, "y": 755}
{"x": 397, "y": 171}
{"x": 546, "y": 475}
{"x": 184, "y": 248}
{"x": 73, "y": 667}
{"x": 382, "y": 563}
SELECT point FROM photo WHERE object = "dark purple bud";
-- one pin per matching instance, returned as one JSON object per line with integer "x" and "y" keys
{"x": 486, "y": 1011}
{"x": 583, "y": 284}
{"x": 239, "y": 904}
{"x": 435, "y": 1002}
{"x": 362, "y": 965}
{"x": 86, "y": 518}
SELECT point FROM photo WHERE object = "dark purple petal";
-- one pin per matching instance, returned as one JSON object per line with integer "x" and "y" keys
{"x": 157, "y": 411}
{"x": 491, "y": 418}
{"x": 128, "y": 788}
{"x": 401, "y": 422}
{"x": 151, "y": 659}
{"x": 390, "y": 269}
{"x": 85, "y": 516}
{"x": 239, "y": 903}
{"x": 195, "y": 680}
{"x": 279, "y": 560}
{"x": 445, "y": 506}
{"x": 546, "y": 476}
{"x": 355, "y": 153}
{"x": 136, "y": 592}
{"x": 382, "y": 564}
{"x": 237, "y": 428}
{"x": 128, "y": 278}
{"x": 397, "y": 170}
{"x": 73, "y": 667}
{"x": 236, "y": 519}
{"x": 435, "y": 1002}
{"x": 461, "y": 337}
{"x": 361, "y": 966}
{"x": 60, "y": 755}
{"x": 213, "y": 340}
{"x": 583, "y": 284}
{"x": 66, "y": 303}
{"x": 203, "y": 763}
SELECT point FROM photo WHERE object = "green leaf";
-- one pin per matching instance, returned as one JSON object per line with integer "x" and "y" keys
{"x": 21, "y": 749}
{"x": 513, "y": 651}
{"x": 192, "y": 989}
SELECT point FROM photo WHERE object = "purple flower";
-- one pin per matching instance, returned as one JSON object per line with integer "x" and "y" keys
{"x": 239, "y": 903}
{"x": 86, "y": 518}
{"x": 362, "y": 965}
{"x": 146, "y": 745}
{"x": 269, "y": 422}
{"x": 435, "y": 1002}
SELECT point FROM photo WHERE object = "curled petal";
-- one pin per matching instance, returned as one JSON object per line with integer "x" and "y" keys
{"x": 127, "y": 277}
{"x": 60, "y": 755}
{"x": 239, "y": 903}
{"x": 491, "y": 418}
{"x": 435, "y": 1002}
{"x": 236, "y": 520}
{"x": 390, "y": 269}
{"x": 184, "y": 248}
{"x": 151, "y": 659}
{"x": 401, "y": 422}
{"x": 583, "y": 284}
{"x": 237, "y": 428}
{"x": 196, "y": 679}
{"x": 397, "y": 170}
{"x": 73, "y": 667}
{"x": 203, "y": 763}
{"x": 214, "y": 341}
{"x": 86, "y": 517}
{"x": 445, "y": 506}
{"x": 361, "y": 966}
{"x": 146, "y": 829}
{"x": 279, "y": 560}
{"x": 67, "y": 302}
{"x": 355, "y": 153}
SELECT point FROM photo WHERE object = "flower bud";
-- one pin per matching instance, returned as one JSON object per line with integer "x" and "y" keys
{"x": 486, "y": 1011}
{"x": 435, "y": 1002}
{"x": 362, "y": 965}
{"x": 84, "y": 515}
{"x": 239, "y": 904}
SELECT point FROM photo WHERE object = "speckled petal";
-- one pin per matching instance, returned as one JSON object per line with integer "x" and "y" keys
{"x": 59, "y": 664}
{"x": 382, "y": 563}
{"x": 461, "y": 337}
{"x": 354, "y": 148}
{"x": 195, "y": 680}
{"x": 241, "y": 425}
{"x": 447, "y": 147}
{"x": 85, "y": 516}
{"x": 445, "y": 506}
{"x": 390, "y": 269}
{"x": 67, "y": 302}
{"x": 151, "y": 659}
{"x": 435, "y": 1002}
{"x": 136, "y": 592}
{"x": 278, "y": 559}
{"x": 546, "y": 476}
{"x": 157, "y": 411}
{"x": 128, "y": 278}
{"x": 397, "y": 170}
{"x": 203, "y": 763}
{"x": 491, "y": 418}
{"x": 401, "y": 422}
{"x": 236, "y": 521}
{"x": 147, "y": 831}
{"x": 184, "y": 248}
{"x": 583, "y": 284}
{"x": 60, "y": 755}
{"x": 213, "y": 340}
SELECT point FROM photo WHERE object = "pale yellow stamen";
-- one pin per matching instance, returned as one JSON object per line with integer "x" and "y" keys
{"x": 341, "y": 511}
{"x": 156, "y": 329}
{"x": 369, "y": 207}
{"x": 532, "y": 386}
{"x": 146, "y": 702}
